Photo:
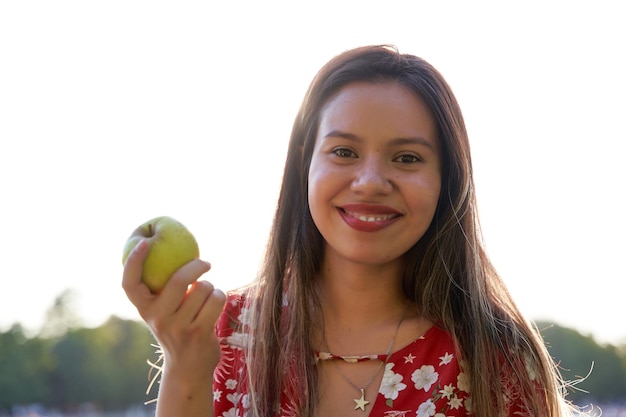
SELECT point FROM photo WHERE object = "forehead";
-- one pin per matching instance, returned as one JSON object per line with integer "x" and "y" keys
{"x": 378, "y": 106}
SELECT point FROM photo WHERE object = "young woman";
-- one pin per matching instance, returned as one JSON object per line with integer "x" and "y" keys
{"x": 376, "y": 297}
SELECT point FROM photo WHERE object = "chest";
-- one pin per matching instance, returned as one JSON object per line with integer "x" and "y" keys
{"x": 414, "y": 382}
{"x": 348, "y": 389}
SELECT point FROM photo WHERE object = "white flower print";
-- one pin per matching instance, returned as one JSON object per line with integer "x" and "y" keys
{"x": 245, "y": 401}
{"x": 447, "y": 391}
{"x": 237, "y": 340}
{"x": 426, "y": 409}
{"x": 389, "y": 370}
{"x": 462, "y": 382}
{"x": 425, "y": 377}
{"x": 231, "y": 383}
{"x": 409, "y": 358}
{"x": 455, "y": 402}
{"x": 231, "y": 413}
{"x": 244, "y": 316}
{"x": 217, "y": 395}
{"x": 446, "y": 359}
{"x": 392, "y": 383}
{"x": 233, "y": 398}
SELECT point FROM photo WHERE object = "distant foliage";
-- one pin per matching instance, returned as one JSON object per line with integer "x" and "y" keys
{"x": 602, "y": 366}
{"x": 104, "y": 366}
{"x": 24, "y": 366}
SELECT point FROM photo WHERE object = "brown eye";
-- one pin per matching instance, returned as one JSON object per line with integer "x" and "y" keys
{"x": 344, "y": 153}
{"x": 407, "y": 159}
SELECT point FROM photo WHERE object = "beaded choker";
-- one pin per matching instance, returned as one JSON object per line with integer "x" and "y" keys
{"x": 326, "y": 356}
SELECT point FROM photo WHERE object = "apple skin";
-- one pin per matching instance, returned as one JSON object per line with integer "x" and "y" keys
{"x": 171, "y": 245}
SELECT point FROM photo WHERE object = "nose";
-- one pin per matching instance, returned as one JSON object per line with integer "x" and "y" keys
{"x": 371, "y": 178}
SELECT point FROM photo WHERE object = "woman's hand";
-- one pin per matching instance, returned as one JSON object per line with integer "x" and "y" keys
{"x": 182, "y": 319}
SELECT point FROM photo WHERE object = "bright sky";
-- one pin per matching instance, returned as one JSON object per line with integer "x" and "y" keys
{"x": 114, "y": 112}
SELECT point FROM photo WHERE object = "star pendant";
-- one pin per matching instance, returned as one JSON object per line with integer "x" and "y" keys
{"x": 360, "y": 402}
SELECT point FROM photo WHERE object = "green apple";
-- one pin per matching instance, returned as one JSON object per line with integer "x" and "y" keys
{"x": 171, "y": 246}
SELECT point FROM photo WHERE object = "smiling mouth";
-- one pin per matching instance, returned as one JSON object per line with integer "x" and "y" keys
{"x": 367, "y": 217}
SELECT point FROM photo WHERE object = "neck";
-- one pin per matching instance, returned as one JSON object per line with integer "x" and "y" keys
{"x": 356, "y": 295}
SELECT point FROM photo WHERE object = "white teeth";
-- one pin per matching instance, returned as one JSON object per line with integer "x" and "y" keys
{"x": 370, "y": 218}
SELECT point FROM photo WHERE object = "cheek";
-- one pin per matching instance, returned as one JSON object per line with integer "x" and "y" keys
{"x": 426, "y": 193}
{"x": 320, "y": 178}
{"x": 324, "y": 185}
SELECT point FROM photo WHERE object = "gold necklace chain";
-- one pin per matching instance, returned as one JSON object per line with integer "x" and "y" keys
{"x": 361, "y": 402}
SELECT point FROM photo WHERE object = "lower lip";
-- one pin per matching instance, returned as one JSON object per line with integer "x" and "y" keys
{"x": 362, "y": 226}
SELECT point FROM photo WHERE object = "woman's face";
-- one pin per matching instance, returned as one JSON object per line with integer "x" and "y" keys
{"x": 375, "y": 176}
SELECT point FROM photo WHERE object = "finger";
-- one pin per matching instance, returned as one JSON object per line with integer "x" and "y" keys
{"x": 195, "y": 298}
{"x": 212, "y": 308}
{"x": 135, "y": 289}
{"x": 174, "y": 291}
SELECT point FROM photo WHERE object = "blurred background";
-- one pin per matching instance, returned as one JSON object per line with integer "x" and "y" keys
{"x": 115, "y": 112}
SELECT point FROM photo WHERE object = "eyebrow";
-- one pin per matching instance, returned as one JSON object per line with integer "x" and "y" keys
{"x": 412, "y": 140}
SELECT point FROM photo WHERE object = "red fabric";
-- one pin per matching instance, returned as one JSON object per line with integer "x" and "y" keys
{"x": 422, "y": 379}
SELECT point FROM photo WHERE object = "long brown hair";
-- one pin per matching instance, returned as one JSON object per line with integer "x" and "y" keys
{"x": 447, "y": 274}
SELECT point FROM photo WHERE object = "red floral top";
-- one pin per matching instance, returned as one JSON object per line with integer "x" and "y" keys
{"x": 423, "y": 379}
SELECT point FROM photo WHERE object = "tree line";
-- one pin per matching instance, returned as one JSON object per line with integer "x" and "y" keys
{"x": 105, "y": 366}
{"x": 597, "y": 371}
{"x": 66, "y": 365}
